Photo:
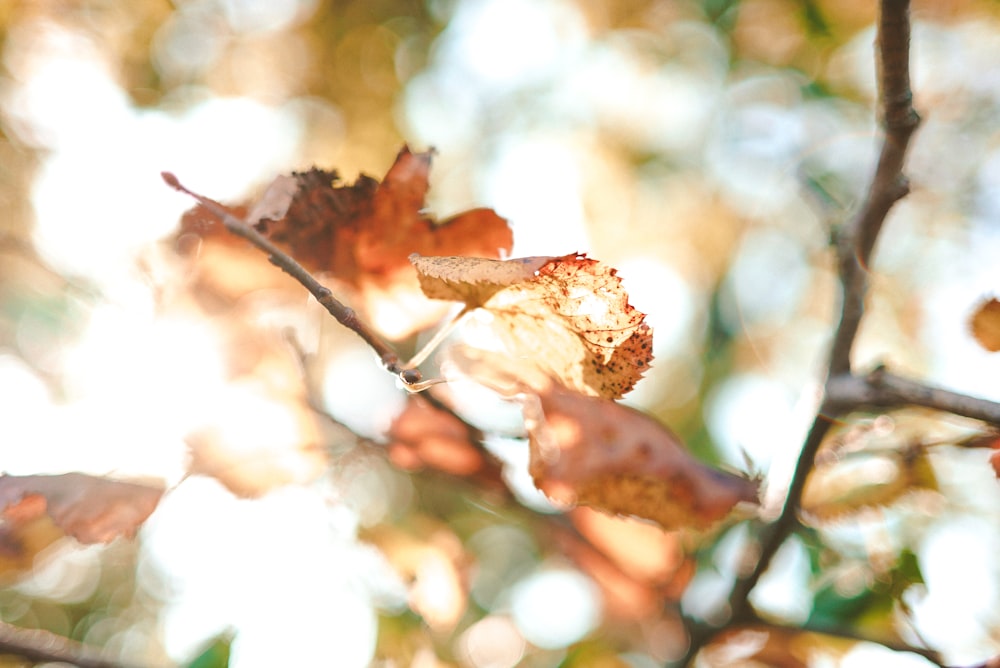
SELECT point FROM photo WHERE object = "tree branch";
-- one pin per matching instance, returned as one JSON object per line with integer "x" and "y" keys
{"x": 881, "y": 389}
{"x": 345, "y": 315}
{"x": 856, "y": 241}
{"x": 855, "y": 245}
{"x": 44, "y": 646}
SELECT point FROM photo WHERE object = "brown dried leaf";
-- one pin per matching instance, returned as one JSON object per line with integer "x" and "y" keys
{"x": 265, "y": 437}
{"x": 985, "y": 324}
{"x": 91, "y": 509}
{"x": 363, "y": 233}
{"x": 773, "y": 647}
{"x": 426, "y": 436}
{"x": 592, "y": 451}
{"x": 570, "y": 314}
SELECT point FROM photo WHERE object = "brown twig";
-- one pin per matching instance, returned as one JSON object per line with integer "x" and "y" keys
{"x": 855, "y": 245}
{"x": 857, "y": 240}
{"x": 881, "y": 389}
{"x": 345, "y": 315}
{"x": 44, "y": 646}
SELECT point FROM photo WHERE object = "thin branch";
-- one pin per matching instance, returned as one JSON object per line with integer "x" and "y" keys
{"x": 345, "y": 315}
{"x": 854, "y": 248}
{"x": 882, "y": 389}
{"x": 857, "y": 240}
{"x": 44, "y": 646}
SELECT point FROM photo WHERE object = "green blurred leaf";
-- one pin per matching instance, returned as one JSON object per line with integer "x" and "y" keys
{"x": 216, "y": 655}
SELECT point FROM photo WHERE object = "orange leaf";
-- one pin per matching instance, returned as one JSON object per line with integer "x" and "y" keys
{"x": 570, "y": 314}
{"x": 91, "y": 509}
{"x": 985, "y": 325}
{"x": 363, "y": 233}
{"x": 594, "y": 452}
{"x": 424, "y": 435}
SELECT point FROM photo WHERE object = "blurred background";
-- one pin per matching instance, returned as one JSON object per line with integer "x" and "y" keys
{"x": 705, "y": 148}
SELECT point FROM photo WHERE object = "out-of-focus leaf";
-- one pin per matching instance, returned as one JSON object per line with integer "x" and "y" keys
{"x": 426, "y": 436}
{"x": 432, "y": 562}
{"x": 24, "y": 532}
{"x": 860, "y": 480}
{"x": 985, "y": 324}
{"x": 569, "y": 314}
{"x": 216, "y": 655}
{"x": 88, "y": 508}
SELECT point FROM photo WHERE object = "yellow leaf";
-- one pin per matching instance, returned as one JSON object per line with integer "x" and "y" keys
{"x": 570, "y": 314}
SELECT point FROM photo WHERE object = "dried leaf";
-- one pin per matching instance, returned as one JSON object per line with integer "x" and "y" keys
{"x": 25, "y": 530}
{"x": 773, "y": 647}
{"x": 570, "y": 314}
{"x": 985, "y": 324}
{"x": 363, "y": 233}
{"x": 433, "y": 564}
{"x": 426, "y": 436}
{"x": 638, "y": 548}
{"x": 91, "y": 509}
{"x": 592, "y": 451}
{"x": 262, "y": 437}
{"x": 844, "y": 486}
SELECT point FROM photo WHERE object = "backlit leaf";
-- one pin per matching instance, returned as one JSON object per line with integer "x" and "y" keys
{"x": 362, "y": 234}
{"x": 88, "y": 508}
{"x": 569, "y": 314}
{"x": 592, "y": 451}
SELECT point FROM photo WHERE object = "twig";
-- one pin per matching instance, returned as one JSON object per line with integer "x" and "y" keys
{"x": 854, "y": 248}
{"x": 345, "y": 315}
{"x": 857, "y": 240}
{"x": 45, "y": 646}
{"x": 884, "y": 390}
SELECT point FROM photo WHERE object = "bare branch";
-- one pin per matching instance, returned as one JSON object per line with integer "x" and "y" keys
{"x": 857, "y": 240}
{"x": 44, "y": 646}
{"x": 884, "y": 390}
{"x": 854, "y": 249}
{"x": 345, "y": 315}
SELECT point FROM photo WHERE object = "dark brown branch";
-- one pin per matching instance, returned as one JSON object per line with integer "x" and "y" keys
{"x": 44, "y": 646}
{"x": 345, "y": 315}
{"x": 855, "y": 245}
{"x": 856, "y": 242}
{"x": 880, "y": 389}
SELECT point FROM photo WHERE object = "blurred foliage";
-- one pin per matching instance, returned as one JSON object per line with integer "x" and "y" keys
{"x": 719, "y": 139}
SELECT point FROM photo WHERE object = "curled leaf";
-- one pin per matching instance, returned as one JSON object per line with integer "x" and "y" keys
{"x": 570, "y": 314}
{"x": 88, "y": 508}
{"x": 592, "y": 451}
